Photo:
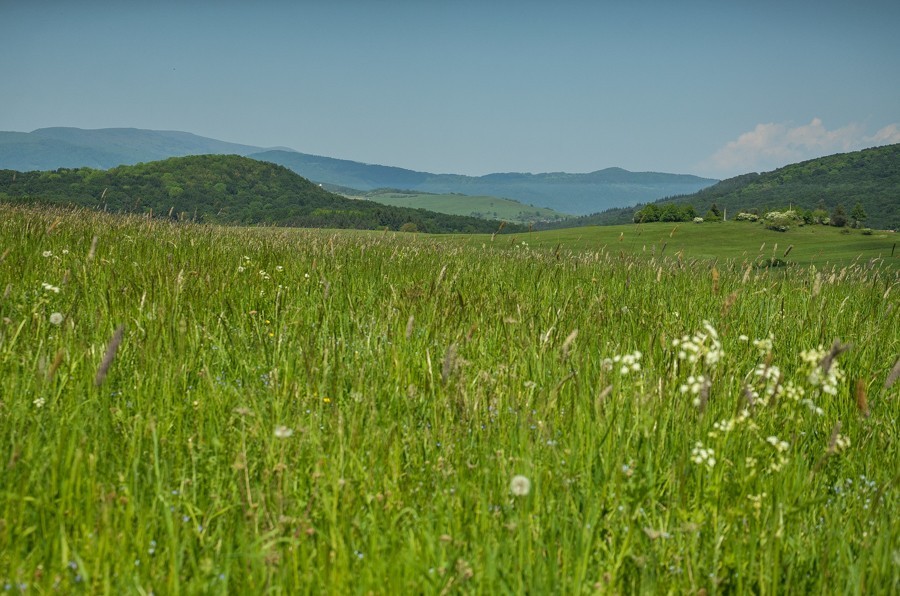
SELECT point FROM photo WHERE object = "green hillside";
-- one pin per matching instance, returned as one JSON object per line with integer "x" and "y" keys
{"x": 484, "y": 207}
{"x": 225, "y": 189}
{"x": 870, "y": 177}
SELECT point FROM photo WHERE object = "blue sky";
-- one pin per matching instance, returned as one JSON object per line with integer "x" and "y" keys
{"x": 711, "y": 88}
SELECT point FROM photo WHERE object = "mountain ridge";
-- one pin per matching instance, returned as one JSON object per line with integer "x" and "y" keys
{"x": 55, "y": 147}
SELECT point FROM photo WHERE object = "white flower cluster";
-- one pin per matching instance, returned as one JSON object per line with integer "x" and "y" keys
{"x": 694, "y": 386}
{"x": 701, "y": 455}
{"x": 781, "y": 448}
{"x": 703, "y": 346}
{"x": 841, "y": 442}
{"x": 728, "y": 425}
{"x": 816, "y": 376}
{"x": 764, "y": 345}
{"x": 50, "y": 288}
{"x": 626, "y": 363}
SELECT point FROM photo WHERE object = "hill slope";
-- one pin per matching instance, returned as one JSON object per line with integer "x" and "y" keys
{"x": 870, "y": 176}
{"x": 221, "y": 189}
{"x": 483, "y": 207}
{"x": 568, "y": 193}
{"x": 64, "y": 147}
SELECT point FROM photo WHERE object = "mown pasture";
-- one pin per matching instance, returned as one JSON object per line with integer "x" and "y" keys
{"x": 485, "y": 207}
{"x": 189, "y": 408}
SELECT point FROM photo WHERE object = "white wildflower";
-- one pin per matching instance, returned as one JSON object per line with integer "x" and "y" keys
{"x": 520, "y": 486}
{"x": 47, "y": 254}
{"x": 701, "y": 455}
{"x": 56, "y": 318}
{"x": 283, "y": 432}
{"x": 50, "y": 288}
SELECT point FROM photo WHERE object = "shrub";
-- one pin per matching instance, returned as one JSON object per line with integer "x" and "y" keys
{"x": 744, "y": 216}
{"x": 867, "y": 231}
{"x": 698, "y": 220}
{"x": 781, "y": 221}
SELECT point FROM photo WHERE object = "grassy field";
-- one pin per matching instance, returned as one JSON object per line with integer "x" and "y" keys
{"x": 477, "y": 206}
{"x": 220, "y": 410}
{"x": 821, "y": 246}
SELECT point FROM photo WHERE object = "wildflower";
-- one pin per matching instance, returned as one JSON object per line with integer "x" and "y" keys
{"x": 520, "y": 486}
{"x": 703, "y": 346}
{"x": 627, "y": 362}
{"x": 240, "y": 268}
{"x": 841, "y": 442}
{"x": 701, "y": 455}
{"x": 764, "y": 345}
{"x": 279, "y": 268}
{"x": 327, "y": 400}
{"x": 50, "y": 288}
{"x": 47, "y": 254}
{"x": 56, "y": 318}
{"x": 283, "y": 432}
{"x": 39, "y": 403}
{"x": 779, "y": 445}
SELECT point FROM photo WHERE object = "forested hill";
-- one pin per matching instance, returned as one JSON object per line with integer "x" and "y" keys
{"x": 225, "y": 189}
{"x": 870, "y": 177}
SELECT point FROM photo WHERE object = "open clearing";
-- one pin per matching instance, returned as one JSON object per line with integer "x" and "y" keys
{"x": 484, "y": 207}
{"x": 198, "y": 409}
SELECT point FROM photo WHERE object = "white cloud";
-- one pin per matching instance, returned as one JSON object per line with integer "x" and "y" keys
{"x": 772, "y": 145}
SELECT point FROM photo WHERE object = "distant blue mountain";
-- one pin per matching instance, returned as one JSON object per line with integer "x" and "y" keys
{"x": 63, "y": 147}
{"x": 578, "y": 194}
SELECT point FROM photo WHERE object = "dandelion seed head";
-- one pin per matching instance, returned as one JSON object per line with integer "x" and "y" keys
{"x": 520, "y": 486}
{"x": 283, "y": 432}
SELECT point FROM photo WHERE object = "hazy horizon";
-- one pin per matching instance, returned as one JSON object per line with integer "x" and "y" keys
{"x": 693, "y": 88}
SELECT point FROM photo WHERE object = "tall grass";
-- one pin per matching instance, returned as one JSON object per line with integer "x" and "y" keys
{"x": 307, "y": 411}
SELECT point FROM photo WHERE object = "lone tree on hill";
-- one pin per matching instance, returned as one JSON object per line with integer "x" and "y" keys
{"x": 858, "y": 215}
{"x": 839, "y": 216}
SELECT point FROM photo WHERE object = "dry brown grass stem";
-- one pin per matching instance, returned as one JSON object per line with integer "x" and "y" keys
{"x": 862, "y": 403}
{"x": 837, "y": 348}
{"x": 567, "y": 344}
{"x": 449, "y": 363}
{"x": 110, "y": 355}
{"x": 893, "y": 375}
{"x": 93, "y": 249}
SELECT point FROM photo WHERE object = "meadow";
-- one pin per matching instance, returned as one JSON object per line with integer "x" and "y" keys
{"x": 199, "y": 409}
{"x": 486, "y": 207}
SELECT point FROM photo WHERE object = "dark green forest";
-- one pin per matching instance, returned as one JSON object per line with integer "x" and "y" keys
{"x": 870, "y": 177}
{"x": 222, "y": 189}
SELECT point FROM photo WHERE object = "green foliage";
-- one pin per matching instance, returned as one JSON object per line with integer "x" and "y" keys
{"x": 225, "y": 189}
{"x": 668, "y": 212}
{"x": 858, "y": 215}
{"x": 870, "y": 176}
{"x": 310, "y": 411}
{"x": 839, "y": 217}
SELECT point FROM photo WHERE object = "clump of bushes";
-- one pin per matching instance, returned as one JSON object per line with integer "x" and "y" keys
{"x": 781, "y": 221}
{"x": 698, "y": 220}
{"x": 744, "y": 216}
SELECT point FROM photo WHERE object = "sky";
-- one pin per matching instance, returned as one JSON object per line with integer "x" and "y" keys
{"x": 713, "y": 88}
